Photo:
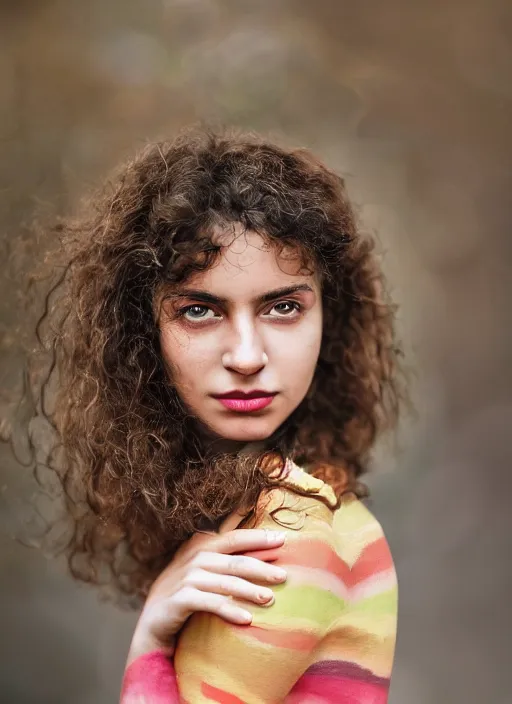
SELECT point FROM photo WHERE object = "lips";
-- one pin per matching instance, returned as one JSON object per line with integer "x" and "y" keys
{"x": 246, "y": 394}
{"x": 245, "y": 402}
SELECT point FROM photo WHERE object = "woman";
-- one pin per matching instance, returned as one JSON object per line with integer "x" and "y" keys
{"x": 226, "y": 360}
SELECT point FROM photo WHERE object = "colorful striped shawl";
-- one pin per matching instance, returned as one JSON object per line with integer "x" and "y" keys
{"x": 328, "y": 638}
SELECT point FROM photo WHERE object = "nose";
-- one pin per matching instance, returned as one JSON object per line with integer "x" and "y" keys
{"x": 245, "y": 354}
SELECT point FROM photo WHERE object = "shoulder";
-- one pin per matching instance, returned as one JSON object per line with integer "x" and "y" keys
{"x": 348, "y": 541}
{"x": 317, "y": 574}
{"x": 360, "y": 537}
{"x": 289, "y": 508}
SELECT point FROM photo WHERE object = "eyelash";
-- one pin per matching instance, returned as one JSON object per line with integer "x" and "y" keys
{"x": 180, "y": 313}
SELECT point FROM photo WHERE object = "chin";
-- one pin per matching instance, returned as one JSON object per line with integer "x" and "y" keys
{"x": 247, "y": 430}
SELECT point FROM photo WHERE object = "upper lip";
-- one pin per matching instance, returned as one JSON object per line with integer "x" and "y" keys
{"x": 257, "y": 393}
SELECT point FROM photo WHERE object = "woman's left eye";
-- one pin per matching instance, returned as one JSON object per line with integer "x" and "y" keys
{"x": 286, "y": 308}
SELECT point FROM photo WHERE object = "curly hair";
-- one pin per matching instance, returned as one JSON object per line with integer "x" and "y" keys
{"x": 133, "y": 472}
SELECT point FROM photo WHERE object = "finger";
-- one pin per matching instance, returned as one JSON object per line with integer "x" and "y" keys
{"x": 240, "y": 566}
{"x": 268, "y": 555}
{"x": 229, "y": 586}
{"x": 190, "y": 600}
{"x": 244, "y": 539}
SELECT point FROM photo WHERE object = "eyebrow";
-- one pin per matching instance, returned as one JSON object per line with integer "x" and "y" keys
{"x": 207, "y": 297}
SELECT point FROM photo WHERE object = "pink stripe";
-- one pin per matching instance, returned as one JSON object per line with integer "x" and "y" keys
{"x": 310, "y": 552}
{"x": 375, "y": 584}
{"x": 323, "y": 689}
{"x": 150, "y": 678}
{"x": 314, "y": 577}
{"x": 314, "y": 553}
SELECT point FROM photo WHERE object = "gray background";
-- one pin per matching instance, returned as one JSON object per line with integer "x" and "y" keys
{"x": 412, "y": 101}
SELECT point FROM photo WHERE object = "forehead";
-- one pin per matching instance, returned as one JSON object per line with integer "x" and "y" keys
{"x": 250, "y": 263}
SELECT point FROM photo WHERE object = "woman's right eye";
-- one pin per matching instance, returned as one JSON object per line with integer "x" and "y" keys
{"x": 197, "y": 312}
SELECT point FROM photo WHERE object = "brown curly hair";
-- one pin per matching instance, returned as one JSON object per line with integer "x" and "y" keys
{"x": 136, "y": 480}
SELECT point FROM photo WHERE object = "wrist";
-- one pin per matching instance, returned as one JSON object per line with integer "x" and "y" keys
{"x": 143, "y": 643}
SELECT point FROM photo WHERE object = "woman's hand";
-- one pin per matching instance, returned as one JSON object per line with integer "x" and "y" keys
{"x": 203, "y": 574}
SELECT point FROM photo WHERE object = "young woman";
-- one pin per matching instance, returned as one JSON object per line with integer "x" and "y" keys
{"x": 226, "y": 360}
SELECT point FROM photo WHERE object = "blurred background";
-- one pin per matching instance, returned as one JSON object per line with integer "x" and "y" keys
{"x": 412, "y": 102}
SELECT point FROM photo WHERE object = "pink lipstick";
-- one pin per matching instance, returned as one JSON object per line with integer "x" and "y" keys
{"x": 246, "y": 402}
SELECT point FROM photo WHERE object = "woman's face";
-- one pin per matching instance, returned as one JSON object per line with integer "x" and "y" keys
{"x": 241, "y": 340}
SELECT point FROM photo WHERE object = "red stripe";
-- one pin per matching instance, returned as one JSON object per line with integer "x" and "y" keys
{"x": 307, "y": 553}
{"x": 219, "y": 695}
{"x": 346, "y": 670}
{"x": 285, "y": 638}
{"x": 374, "y": 559}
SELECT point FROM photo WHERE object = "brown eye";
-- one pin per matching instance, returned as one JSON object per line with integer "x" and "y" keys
{"x": 285, "y": 309}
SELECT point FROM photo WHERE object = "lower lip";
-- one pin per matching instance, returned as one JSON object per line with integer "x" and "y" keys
{"x": 246, "y": 405}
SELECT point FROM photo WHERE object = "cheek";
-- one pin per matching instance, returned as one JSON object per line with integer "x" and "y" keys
{"x": 298, "y": 358}
{"x": 184, "y": 355}
{"x": 302, "y": 363}
{"x": 311, "y": 337}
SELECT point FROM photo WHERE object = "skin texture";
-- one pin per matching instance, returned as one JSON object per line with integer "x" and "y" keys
{"x": 243, "y": 343}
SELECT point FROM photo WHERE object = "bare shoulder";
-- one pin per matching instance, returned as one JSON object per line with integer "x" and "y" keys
{"x": 361, "y": 541}
{"x": 351, "y": 532}
{"x": 306, "y": 513}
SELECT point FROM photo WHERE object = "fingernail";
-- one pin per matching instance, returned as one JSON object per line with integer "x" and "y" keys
{"x": 270, "y": 601}
{"x": 280, "y": 574}
{"x": 277, "y": 537}
{"x": 265, "y": 596}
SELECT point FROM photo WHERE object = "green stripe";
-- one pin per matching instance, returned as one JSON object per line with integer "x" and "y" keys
{"x": 312, "y": 603}
{"x": 322, "y": 607}
{"x": 379, "y": 605}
